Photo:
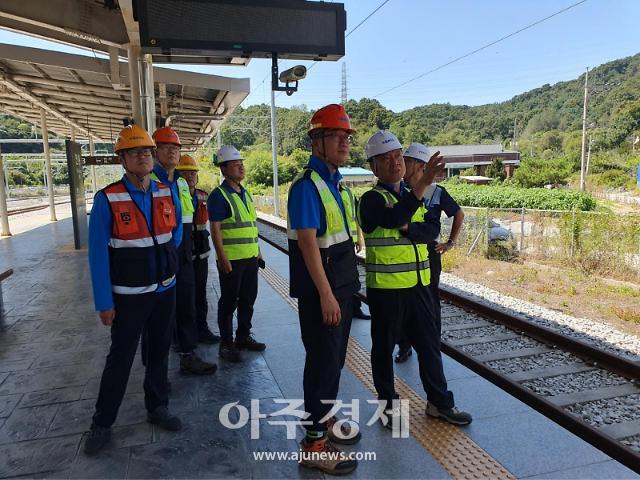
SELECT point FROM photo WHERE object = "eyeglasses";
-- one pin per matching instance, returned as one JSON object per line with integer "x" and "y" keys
{"x": 169, "y": 148}
{"x": 339, "y": 137}
{"x": 138, "y": 152}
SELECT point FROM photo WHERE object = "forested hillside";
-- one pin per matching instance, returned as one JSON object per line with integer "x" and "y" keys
{"x": 555, "y": 110}
{"x": 548, "y": 123}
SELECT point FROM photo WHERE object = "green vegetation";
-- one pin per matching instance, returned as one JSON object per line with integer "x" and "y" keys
{"x": 548, "y": 122}
{"x": 491, "y": 196}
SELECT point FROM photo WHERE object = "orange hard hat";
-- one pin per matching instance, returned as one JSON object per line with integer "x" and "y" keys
{"x": 166, "y": 135}
{"x": 331, "y": 116}
{"x": 187, "y": 162}
{"x": 133, "y": 136}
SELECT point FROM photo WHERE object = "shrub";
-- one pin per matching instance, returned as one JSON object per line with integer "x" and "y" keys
{"x": 514, "y": 197}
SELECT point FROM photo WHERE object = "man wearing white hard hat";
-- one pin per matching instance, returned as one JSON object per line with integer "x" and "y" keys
{"x": 398, "y": 276}
{"x": 436, "y": 200}
{"x": 232, "y": 217}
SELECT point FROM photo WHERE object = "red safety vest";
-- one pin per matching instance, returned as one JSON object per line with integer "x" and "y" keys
{"x": 141, "y": 256}
{"x": 201, "y": 247}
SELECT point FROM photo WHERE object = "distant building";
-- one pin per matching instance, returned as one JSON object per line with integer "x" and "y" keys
{"x": 355, "y": 176}
{"x": 478, "y": 157}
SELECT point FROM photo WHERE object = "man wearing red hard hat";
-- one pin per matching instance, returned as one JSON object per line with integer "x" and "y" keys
{"x": 323, "y": 277}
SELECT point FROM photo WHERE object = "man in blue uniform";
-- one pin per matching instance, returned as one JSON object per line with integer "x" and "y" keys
{"x": 188, "y": 168}
{"x": 167, "y": 159}
{"x": 133, "y": 262}
{"x": 324, "y": 278}
{"x": 232, "y": 217}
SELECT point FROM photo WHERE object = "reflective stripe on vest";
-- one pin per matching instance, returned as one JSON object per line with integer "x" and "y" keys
{"x": 131, "y": 231}
{"x": 392, "y": 260}
{"x": 349, "y": 203}
{"x": 202, "y": 256}
{"x": 122, "y": 290}
{"x": 240, "y": 231}
{"x": 335, "y": 232}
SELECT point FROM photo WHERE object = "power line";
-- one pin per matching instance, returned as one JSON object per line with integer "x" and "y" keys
{"x": 366, "y": 18}
{"x": 355, "y": 28}
{"x": 351, "y": 31}
{"x": 480, "y": 49}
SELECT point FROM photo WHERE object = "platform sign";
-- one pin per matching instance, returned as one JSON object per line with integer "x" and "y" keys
{"x": 78, "y": 200}
{"x": 293, "y": 29}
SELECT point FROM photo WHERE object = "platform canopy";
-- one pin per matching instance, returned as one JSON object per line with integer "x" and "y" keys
{"x": 100, "y": 25}
{"x": 92, "y": 95}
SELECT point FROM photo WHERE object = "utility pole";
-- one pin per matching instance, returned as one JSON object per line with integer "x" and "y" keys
{"x": 584, "y": 132}
{"x": 586, "y": 170}
{"x": 343, "y": 95}
{"x": 274, "y": 154}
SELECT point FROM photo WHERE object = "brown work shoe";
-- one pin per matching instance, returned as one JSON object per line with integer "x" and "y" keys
{"x": 323, "y": 455}
{"x": 343, "y": 434}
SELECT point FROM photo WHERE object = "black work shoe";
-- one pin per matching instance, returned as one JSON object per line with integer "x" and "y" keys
{"x": 208, "y": 337}
{"x": 250, "y": 343}
{"x": 192, "y": 364}
{"x": 403, "y": 355}
{"x": 161, "y": 417}
{"x": 451, "y": 415}
{"x": 362, "y": 315}
{"x": 230, "y": 353}
{"x": 97, "y": 438}
{"x": 342, "y": 434}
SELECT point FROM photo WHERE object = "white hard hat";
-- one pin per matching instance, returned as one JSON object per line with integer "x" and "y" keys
{"x": 418, "y": 151}
{"x": 227, "y": 153}
{"x": 380, "y": 143}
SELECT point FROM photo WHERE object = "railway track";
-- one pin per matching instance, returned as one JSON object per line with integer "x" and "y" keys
{"x": 590, "y": 391}
{"x": 17, "y": 211}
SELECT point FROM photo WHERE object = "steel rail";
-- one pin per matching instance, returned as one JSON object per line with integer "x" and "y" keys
{"x": 627, "y": 368}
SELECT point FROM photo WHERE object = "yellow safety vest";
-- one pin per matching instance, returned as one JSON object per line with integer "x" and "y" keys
{"x": 392, "y": 260}
{"x": 335, "y": 232}
{"x": 240, "y": 230}
{"x": 349, "y": 203}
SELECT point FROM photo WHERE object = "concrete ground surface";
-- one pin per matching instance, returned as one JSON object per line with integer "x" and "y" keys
{"x": 52, "y": 351}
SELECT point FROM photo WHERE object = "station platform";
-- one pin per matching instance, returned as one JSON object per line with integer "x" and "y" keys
{"x": 52, "y": 351}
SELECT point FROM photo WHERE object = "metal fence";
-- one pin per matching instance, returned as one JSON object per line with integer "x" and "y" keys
{"x": 595, "y": 241}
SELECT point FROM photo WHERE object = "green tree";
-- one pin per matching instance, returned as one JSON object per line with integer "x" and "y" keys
{"x": 496, "y": 169}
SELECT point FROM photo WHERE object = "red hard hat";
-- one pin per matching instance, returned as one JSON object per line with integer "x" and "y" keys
{"x": 166, "y": 135}
{"x": 331, "y": 116}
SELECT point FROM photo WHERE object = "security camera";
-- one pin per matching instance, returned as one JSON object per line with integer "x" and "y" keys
{"x": 293, "y": 74}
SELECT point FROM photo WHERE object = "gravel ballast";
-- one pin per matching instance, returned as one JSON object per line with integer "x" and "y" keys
{"x": 594, "y": 332}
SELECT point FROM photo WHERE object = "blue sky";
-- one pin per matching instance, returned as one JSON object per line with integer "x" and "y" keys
{"x": 406, "y": 38}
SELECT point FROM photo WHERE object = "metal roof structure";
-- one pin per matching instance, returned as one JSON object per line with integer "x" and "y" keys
{"x": 466, "y": 150}
{"x": 350, "y": 171}
{"x": 92, "y": 95}
{"x": 106, "y": 26}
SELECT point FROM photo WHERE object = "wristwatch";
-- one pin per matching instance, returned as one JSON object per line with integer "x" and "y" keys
{"x": 451, "y": 242}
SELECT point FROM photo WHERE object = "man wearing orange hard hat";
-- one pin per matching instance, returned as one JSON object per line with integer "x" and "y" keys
{"x": 133, "y": 262}
{"x": 188, "y": 168}
{"x": 321, "y": 227}
{"x": 167, "y": 158}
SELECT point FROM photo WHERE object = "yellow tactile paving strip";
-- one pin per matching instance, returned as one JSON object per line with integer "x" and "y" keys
{"x": 460, "y": 456}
